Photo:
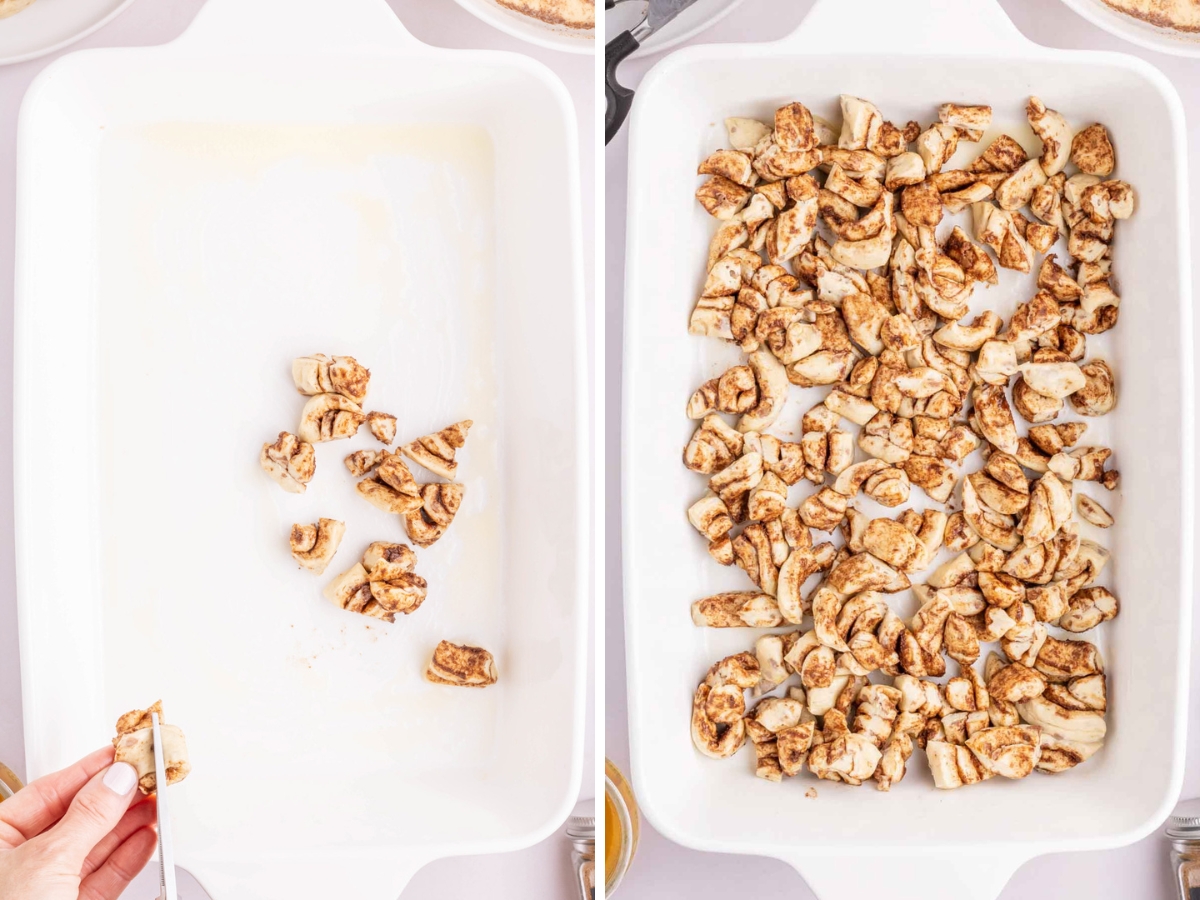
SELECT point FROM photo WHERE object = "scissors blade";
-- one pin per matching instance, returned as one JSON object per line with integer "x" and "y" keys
{"x": 663, "y": 11}
{"x": 166, "y": 849}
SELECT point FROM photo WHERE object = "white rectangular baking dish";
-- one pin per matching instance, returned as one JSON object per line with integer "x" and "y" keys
{"x": 906, "y": 58}
{"x": 287, "y": 178}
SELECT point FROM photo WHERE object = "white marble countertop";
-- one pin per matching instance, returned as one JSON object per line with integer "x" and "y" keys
{"x": 541, "y": 871}
{"x": 662, "y": 868}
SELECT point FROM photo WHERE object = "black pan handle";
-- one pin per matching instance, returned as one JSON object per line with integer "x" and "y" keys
{"x": 618, "y": 99}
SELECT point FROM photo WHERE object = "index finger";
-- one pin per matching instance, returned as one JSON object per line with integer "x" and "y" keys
{"x": 41, "y": 803}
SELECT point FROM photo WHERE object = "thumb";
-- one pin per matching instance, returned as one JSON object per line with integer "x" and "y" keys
{"x": 94, "y": 812}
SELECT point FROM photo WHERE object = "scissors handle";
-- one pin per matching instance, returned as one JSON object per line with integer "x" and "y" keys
{"x": 618, "y": 98}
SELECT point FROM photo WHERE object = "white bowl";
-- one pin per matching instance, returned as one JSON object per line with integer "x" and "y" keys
{"x": 51, "y": 25}
{"x": 1152, "y": 37}
{"x": 556, "y": 37}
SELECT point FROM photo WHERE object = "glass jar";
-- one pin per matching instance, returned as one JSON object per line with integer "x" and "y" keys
{"x": 1183, "y": 829}
{"x": 9, "y": 782}
{"x": 621, "y": 827}
{"x": 582, "y": 832}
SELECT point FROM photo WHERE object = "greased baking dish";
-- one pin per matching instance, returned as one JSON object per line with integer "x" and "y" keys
{"x": 288, "y": 178}
{"x": 916, "y": 841}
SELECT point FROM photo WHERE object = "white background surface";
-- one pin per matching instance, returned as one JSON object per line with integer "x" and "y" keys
{"x": 542, "y": 871}
{"x": 665, "y": 869}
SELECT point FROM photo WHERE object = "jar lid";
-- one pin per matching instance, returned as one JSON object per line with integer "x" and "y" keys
{"x": 1184, "y": 821}
{"x": 582, "y": 827}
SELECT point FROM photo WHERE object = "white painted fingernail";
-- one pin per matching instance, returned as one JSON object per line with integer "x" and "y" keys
{"x": 120, "y": 778}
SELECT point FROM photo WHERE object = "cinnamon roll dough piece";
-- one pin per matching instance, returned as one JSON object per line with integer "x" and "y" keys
{"x": 1181, "y": 15}
{"x": 392, "y": 487}
{"x": 436, "y": 451}
{"x": 383, "y": 426}
{"x": 576, "y": 14}
{"x": 318, "y": 374}
{"x": 290, "y": 462}
{"x": 439, "y": 504}
{"x": 329, "y": 417}
{"x": 461, "y": 666}
{"x": 134, "y": 744}
{"x": 313, "y": 546}
{"x": 12, "y": 7}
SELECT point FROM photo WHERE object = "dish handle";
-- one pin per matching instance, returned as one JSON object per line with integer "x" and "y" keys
{"x": 949, "y": 875}
{"x": 376, "y": 877}
{"x": 304, "y": 26}
{"x": 912, "y": 27}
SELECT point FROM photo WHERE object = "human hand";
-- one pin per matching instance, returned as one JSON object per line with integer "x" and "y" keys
{"x": 77, "y": 834}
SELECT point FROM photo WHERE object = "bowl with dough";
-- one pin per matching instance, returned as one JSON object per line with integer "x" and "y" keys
{"x": 29, "y": 29}
{"x": 1168, "y": 26}
{"x": 566, "y": 25}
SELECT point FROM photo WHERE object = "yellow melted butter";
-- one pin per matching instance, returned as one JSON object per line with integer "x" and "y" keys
{"x": 612, "y": 838}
